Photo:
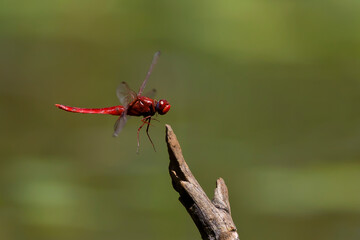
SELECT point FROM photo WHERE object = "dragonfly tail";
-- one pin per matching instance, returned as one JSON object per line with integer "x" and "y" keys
{"x": 116, "y": 110}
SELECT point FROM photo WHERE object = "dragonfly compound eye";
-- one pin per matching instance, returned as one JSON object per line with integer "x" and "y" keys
{"x": 163, "y": 106}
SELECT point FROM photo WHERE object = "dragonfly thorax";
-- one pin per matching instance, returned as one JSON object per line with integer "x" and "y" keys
{"x": 142, "y": 106}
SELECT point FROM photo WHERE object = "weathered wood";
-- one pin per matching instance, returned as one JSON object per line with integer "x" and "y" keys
{"x": 212, "y": 218}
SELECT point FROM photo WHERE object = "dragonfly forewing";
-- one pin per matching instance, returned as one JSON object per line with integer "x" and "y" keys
{"x": 153, "y": 63}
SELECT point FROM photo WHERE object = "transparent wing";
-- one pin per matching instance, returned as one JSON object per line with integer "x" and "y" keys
{"x": 151, "y": 94}
{"x": 155, "y": 58}
{"x": 125, "y": 94}
{"x": 119, "y": 124}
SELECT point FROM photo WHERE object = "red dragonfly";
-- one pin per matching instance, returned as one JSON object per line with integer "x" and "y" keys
{"x": 132, "y": 105}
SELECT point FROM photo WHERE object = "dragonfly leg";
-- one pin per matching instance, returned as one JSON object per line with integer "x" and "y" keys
{"x": 147, "y": 132}
{"x": 145, "y": 121}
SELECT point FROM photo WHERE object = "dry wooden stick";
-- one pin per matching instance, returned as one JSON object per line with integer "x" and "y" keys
{"x": 212, "y": 218}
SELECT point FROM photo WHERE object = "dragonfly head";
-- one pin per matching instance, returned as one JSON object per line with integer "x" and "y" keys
{"x": 162, "y": 106}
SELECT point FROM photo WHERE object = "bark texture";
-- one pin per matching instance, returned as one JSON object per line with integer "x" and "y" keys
{"x": 212, "y": 217}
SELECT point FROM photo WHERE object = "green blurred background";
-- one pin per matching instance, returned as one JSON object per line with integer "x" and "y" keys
{"x": 264, "y": 94}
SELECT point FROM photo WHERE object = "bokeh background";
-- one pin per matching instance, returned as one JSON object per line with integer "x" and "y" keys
{"x": 264, "y": 94}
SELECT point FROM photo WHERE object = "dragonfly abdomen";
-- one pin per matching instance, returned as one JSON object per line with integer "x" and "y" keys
{"x": 116, "y": 110}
